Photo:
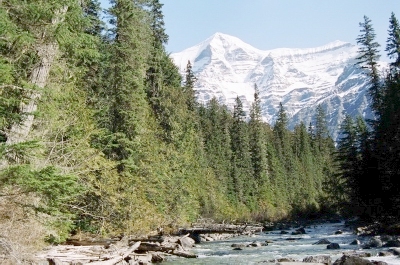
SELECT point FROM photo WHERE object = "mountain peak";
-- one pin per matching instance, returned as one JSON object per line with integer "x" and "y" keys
{"x": 300, "y": 78}
{"x": 224, "y": 42}
{"x": 221, "y": 36}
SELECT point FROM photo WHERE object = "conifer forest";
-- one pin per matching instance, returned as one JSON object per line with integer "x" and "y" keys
{"x": 100, "y": 133}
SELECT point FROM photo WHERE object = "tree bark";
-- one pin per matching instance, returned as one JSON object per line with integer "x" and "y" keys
{"x": 47, "y": 52}
{"x": 19, "y": 132}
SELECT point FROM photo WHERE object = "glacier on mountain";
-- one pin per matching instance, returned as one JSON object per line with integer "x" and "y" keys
{"x": 300, "y": 79}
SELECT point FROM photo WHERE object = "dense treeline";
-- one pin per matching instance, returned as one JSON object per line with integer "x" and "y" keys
{"x": 100, "y": 133}
{"x": 369, "y": 151}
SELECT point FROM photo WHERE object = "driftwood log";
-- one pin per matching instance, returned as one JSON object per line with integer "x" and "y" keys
{"x": 111, "y": 254}
{"x": 222, "y": 229}
{"x": 115, "y": 260}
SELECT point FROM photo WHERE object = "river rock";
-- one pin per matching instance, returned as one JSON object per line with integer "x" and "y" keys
{"x": 333, "y": 246}
{"x": 385, "y": 253}
{"x": 395, "y": 251}
{"x": 186, "y": 242}
{"x": 327, "y": 260}
{"x": 322, "y": 242}
{"x": 299, "y": 231}
{"x": 355, "y": 242}
{"x": 255, "y": 244}
{"x": 238, "y": 245}
{"x": 238, "y": 248}
{"x": 374, "y": 242}
{"x": 392, "y": 243}
{"x": 352, "y": 260}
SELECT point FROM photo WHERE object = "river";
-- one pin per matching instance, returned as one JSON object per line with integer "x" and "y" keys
{"x": 280, "y": 245}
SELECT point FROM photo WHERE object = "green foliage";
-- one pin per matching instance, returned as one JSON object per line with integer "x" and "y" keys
{"x": 119, "y": 144}
{"x": 55, "y": 188}
{"x": 373, "y": 150}
{"x": 393, "y": 42}
{"x": 368, "y": 59}
{"x": 56, "y": 191}
{"x": 257, "y": 143}
{"x": 189, "y": 93}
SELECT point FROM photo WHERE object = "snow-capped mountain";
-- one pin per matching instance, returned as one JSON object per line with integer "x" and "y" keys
{"x": 301, "y": 79}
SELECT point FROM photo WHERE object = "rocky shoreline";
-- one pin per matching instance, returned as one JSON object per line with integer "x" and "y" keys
{"x": 125, "y": 250}
{"x": 135, "y": 251}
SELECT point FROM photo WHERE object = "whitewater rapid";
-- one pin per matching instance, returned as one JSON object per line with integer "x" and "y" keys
{"x": 295, "y": 247}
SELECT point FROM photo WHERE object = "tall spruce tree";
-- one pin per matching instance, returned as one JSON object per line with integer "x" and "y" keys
{"x": 280, "y": 128}
{"x": 189, "y": 92}
{"x": 368, "y": 59}
{"x": 393, "y": 43}
{"x": 216, "y": 121}
{"x": 242, "y": 173}
{"x": 154, "y": 74}
{"x": 347, "y": 153}
{"x": 283, "y": 145}
{"x": 257, "y": 142}
{"x": 127, "y": 111}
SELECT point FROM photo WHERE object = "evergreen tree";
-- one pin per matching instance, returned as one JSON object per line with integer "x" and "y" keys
{"x": 386, "y": 142}
{"x": 242, "y": 173}
{"x": 127, "y": 110}
{"x": 368, "y": 59}
{"x": 348, "y": 156}
{"x": 257, "y": 144}
{"x": 280, "y": 128}
{"x": 48, "y": 138}
{"x": 189, "y": 92}
{"x": 154, "y": 74}
{"x": 393, "y": 43}
{"x": 321, "y": 129}
{"x": 283, "y": 144}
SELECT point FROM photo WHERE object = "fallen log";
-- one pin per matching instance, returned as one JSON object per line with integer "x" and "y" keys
{"x": 115, "y": 260}
{"x": 184, "y": 254}
{"x": 88, "y": 242}
{"x": 222, "y": 229}
{"x": 209, "y": 231}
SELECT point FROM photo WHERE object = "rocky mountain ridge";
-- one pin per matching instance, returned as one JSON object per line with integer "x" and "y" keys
{"x": 301, "y": 79}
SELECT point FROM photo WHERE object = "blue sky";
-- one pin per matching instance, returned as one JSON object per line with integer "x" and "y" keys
{"x": 270, "y": 24}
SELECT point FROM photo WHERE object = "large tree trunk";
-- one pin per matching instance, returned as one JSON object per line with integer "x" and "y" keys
{"x": 19, "y": 132}
{"x": 47, "y": 53}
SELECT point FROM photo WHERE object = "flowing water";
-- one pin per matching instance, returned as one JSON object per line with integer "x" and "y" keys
{"x": 295, "y": 247}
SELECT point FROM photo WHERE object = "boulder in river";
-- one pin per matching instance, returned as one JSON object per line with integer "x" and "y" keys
{"x": 327, "y": 260}
{"x": 374, "y": 242}
{"x": 322, "y": 242}
{"x": 395, "y": 251}
{"x": 392, "y": 244}
{"x": 187, "y": 242}
{"x": 353, "y": 260}
{"x": 333, "y": 246}
{"x": 255, "y": 244}
{"x": 238, "y": 245}
{"x": 355, "y": 242}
